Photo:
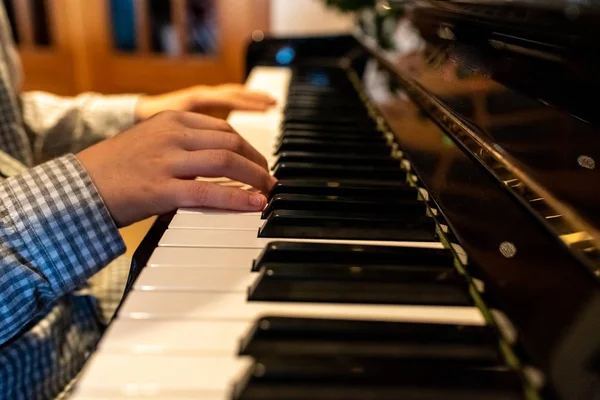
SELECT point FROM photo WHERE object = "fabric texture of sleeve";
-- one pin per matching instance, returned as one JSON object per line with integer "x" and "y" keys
{"x": 59, "y": 125}
{"x": 55, "y": 233}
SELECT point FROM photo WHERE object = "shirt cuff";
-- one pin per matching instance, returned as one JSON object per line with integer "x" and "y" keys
{"x": 64, "y": 229}
{"x": 117, "y": 111}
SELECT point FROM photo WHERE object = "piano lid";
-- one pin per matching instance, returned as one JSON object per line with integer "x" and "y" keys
{"x": 555, "y": 24}
{"x": 521, "y": 113}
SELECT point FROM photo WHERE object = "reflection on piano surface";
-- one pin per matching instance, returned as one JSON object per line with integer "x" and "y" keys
{"x": 433, "y": 235}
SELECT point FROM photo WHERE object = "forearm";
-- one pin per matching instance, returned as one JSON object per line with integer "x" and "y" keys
{"x": 59, "y": 125}
{"x": 55, "y": 233}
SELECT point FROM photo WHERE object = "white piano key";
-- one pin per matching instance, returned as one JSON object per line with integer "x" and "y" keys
{"x": 155, "y": 396}
{"x": 272, "y": 80}
{"x": 93, "y": 396}
{"x": 257, "y": 128}
{"x": 185, "y": 337}
{"x": 152, "y": 376}
{"x": 261, "y": 129}
{"x": 196, "y": 279}
{"x": 249, "y": 240}
{"x": 174, "y": 337}
{"x": 246, "y": 222}
{"x": 261, "y": 138}
{"x": 235, "y": 307}
{"x": 212, "y": 211}
{"x": 179, "y": 396}
{"x": 201, "y": 257}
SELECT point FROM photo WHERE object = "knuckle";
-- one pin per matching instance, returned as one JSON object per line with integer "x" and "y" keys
{"x": 223, "y": 159}
{"x": 236, "y": 143}
{"x": 172, "y": 161}
{"x": 264, "y": 161}
{"x": 224, "y": 126}
{"x": 169, "y": 116}
{"x": 166, "y": 138}
{"x": 199, "y": 193}
{"x": 232, "y": 198}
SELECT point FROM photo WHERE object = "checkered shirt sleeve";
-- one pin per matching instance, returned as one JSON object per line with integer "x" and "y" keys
{"x": 55, "y": 233}
{"x": 59, "y": 125}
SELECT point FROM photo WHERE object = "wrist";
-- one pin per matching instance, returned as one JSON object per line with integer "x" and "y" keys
{"x": 70, "y": 200}
{"x": 142, "y": 108}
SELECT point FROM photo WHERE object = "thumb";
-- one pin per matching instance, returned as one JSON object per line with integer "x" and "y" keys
{"x": 192, "y": 193}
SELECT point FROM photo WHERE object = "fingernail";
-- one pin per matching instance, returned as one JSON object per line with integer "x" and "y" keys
{"x": 258, "y": 200}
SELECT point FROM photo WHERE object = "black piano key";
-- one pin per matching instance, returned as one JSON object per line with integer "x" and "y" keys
{"x": 298, "y": 103}
{"x": 346, "y": 187}
{"x": 374, "y": 379}
{"x": 337, "y": 136}
{"x": 349, "y": 204}
{"x": 347, "y": 101}
{"x": 325, "y": 96}
{"x": 337, "y": 85}
{"x": 336, "y": 158}
{"x": 312, "y": 116}
{"x": 329, "y": 81}
{"x": 354, "y": 255}
{"x": 362, "y": 123}
{"x": 323, "y": 77}
{"x": 343, "y": 86}
{"x": 315, "y": 283}
{"x": 316, "y": 268}
{"x": 310, "y": 71}
{"x": 322, "y": 90}
{"x": 366, "y": 136}
{"x": 332, "y": 84}
{"x": 335, "y": 225}
{"x": 346, "y": 146}
{"x": 312, "y": 102}
{"x": 294, "y": 170}
{"x": 275, "y": 336}
{"x": 330, "y": 115}
{"x": 329, "y": 129}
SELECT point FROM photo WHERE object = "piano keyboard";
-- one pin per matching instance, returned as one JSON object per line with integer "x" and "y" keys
{"x": 340, "y": 289}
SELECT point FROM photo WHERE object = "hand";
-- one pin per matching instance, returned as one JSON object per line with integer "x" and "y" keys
{"x": 150, "y": 169}
{"x": 204, "y": 99}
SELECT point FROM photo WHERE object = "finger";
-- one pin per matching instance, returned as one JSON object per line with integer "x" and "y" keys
{"x": 237, "y": 103}
{"x": 189, "y": 193}
{"x": 203, "y": 122}
{"x": 212, "y": 140}
{"x": 244, "y": 104}
{"x": 217, "y": 163}
{"x": 257, "y": 96}
{"x": 229, "y": 86}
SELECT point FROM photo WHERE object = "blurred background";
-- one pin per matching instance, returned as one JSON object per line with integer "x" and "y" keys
{"x": 151, "y": 46}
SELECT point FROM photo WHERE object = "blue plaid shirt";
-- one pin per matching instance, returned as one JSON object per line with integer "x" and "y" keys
{"x": 55, "y": 231}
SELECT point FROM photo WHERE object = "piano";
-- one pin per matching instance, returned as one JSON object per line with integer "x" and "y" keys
{"x": 434, "y": 233}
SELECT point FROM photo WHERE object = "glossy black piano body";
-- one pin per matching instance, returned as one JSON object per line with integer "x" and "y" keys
{"x": 496, "y": 114}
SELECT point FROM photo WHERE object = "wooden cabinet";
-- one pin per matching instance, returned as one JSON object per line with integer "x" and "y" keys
{"x": 150, "y": 46}
{"x": 44, "y": 44}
